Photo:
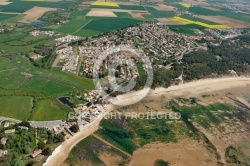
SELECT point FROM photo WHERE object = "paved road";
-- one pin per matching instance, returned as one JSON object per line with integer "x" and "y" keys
{"x": 46, "y": 124}
{"x": 9, "y": 119}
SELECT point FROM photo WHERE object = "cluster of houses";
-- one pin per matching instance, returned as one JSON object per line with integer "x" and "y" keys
{"x": 3, "y": 142}
{"x": 37, "y": 33}
{"x": 185, "y": 13}
{"x": 66, "y": 39}
{"x": 119, "y": 63}
{"x": 86, "y": 115}
{"x": 157, "y": 41}
{"x": 237, "y": 7}
{"x": 160, "y": 42}
{"x": 92, "y": 50}
{"x": 71, "y": 61}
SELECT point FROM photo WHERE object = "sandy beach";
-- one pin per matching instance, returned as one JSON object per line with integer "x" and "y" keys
{"x": 190, "y": 88}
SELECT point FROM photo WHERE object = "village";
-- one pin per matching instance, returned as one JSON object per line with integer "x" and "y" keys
{"x": 236, "y": 7}
{"x": 157, "y": 41}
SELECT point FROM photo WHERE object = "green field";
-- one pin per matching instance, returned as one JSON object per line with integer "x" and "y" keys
{"x": 179, "y": 7}
{"x": 81, "y": 25}
{"x": 11, "y": 79}
{"x": 159, "y": 14}
{"x": 132, "y": 7}
{"x": 47, "y": 87}
{"x": 109, "y": 24}
{"x": 123, "y": 15}
{"x": 47, "y": 110}
{"x": 7, "y": 16}
{"x": 76, "y": 21}
{"x": 73, "y": 26}
{"x": 19, "y": 6}
{"x": 186, "y": 29}
{"x": 226, "y": 13}
{"x": 99, "y": 26}
{"x": 87, "y": 33}
{"x": 4, "y": 63}
{"x": 12, "y": 36}
{"x": 51, "y": 27}
{"x": 17, "y": 107}
{"x": 202, "y": 11}
{"x": 148, "y": 16}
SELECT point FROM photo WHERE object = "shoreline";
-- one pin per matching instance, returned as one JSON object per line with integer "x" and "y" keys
{"x": 61, "y": 153}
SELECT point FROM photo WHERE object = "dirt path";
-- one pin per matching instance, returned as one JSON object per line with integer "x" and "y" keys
{"x": 56, "y": 61}
{"x": 6, "y": 70}
{"x": 9, "y": 13}
{"x": 109, "y": 144}
{"x": 82, "y": 27}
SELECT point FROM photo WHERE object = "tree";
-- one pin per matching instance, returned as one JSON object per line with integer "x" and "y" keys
{"x": 161, "y": 163}
{"x": 74, "y": 128}
{"x": 47, "y": 151}
{"x": 59, "y": 137}
{"x": 41, "y": 145}
{"x": 25, "y": 123}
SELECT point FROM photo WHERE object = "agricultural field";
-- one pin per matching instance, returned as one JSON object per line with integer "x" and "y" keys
{"x": 73, "y": 26}
{"x": 122, "y": 15}
{"x": 226, "y": 13}
{"x": 108, "y": 24}
{"x": 20, "y": 110}
{"x": 4, "y": 64}
{"x": 47, "y": 87}
{"x": 196, "y": 19}
{"x": 186, "y": 5}
{"x": 108, "y": 4}
{"x": 94, "y": 26}
{"x": 159, "y": 14}
{"x": 18, "y": 6}
{"x": 188, "y": 21}
{"x": 47, "y": 109}
{"x": 12, "y": 79}
{"x": 133, "y": 7}
{"x": 4, "y": 17}
{"x": 87, "y": 22}
{"x": 76, "y": 21}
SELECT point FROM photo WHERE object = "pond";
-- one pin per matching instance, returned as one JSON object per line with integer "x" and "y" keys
{"x": 65, "y": 100}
